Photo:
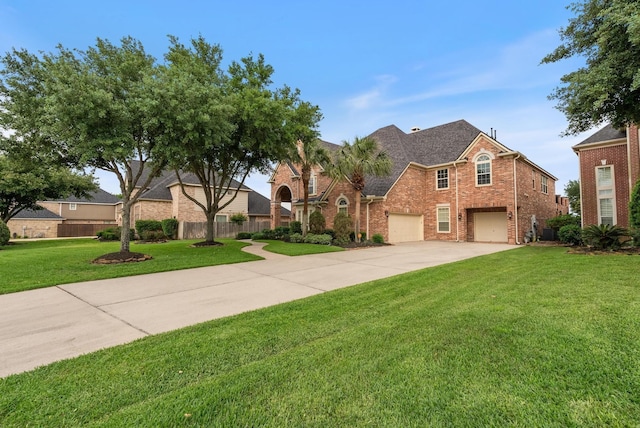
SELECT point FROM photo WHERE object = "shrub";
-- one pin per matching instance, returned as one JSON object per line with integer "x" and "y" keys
{"x": 258, "y": 236}
{"x": 563, "y": 220}
{"x": 244, "y": 235}
{"x": 570, "y": 234}
{"x": 634, "y": 206}
{"x": 363, "y": 236}
{"x": 280, "y": 232}
{"x": 342, "y": 225}
{"x": 152, "y": 235}
{"x": 635, "y": 237}
{"x": 113, "y": 234}
{"x": 5, "y": 233}
{"x": 170, "y": 227}
{"x": 238, "y": 219}
{"x": 377, "y": 238}
{"x": 268, "y": 234}
{"x": 143, "y": 226}
{"x": 323, "y": 239}
{"x": 317, "y": 223}
{"x": 295, "y": 227}
{"x": 330, "y": 232}
{"x": 604, "y": 236}
{"x": 296, "y": 238}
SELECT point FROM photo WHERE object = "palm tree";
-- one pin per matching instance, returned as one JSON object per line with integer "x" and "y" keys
{"x": 355, "y": 161}
{"x": 309, "y": 153}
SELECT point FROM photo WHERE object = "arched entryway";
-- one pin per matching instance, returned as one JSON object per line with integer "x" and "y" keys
{"x": 283, "y": 195}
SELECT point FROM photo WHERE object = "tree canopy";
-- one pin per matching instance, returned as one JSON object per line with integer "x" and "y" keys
{"x": 572, "y": 190}
{"x": 606, "y": 34}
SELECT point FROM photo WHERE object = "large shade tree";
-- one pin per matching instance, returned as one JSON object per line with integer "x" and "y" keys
{"x": 355, "y": 161}
{"x": 222, "y": 125}
{"x": 606, "y": 34}
{"x": 572, "y": 190}
{"x": 94, "y": 108}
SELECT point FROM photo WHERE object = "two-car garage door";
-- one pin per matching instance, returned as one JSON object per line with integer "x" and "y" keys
{"x": 490, "y": 227}
{"x": 405, "y": 228}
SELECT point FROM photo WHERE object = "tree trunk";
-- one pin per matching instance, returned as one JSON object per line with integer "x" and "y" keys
{"x": 306, "y": 176}
{"x": 356, "y": 222}
{"x": 124, "y": 230}
{"x": 210, "y": 227}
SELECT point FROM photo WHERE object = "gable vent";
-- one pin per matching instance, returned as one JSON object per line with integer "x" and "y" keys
{"x": 415, "y": 129}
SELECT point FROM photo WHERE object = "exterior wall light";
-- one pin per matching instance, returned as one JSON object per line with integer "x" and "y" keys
{"x": 510, "y": 215}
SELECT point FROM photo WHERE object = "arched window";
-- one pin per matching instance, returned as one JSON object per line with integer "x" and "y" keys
{"x": 483, "y": 170}
{"x": 343, "y": 205}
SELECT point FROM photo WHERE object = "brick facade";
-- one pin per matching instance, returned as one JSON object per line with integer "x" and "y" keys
{"x": 36, "y": 228}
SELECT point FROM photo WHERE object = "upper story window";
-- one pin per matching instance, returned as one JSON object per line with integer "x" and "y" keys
{"x": 313, "y": 185}
{"x": 544, "y": 186}
{"x": 343, "y": 205}
{"x": 442, "y": 179}
{"x": 73, "y": 207}
{"x": 533, "y": 179}
{"x": 606, "y": 195}
{"x": 483, "y": 170}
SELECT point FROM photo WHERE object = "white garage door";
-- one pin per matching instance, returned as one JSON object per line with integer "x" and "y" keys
{"x": 405, "y": 228}
{"x": 490, "y": 227}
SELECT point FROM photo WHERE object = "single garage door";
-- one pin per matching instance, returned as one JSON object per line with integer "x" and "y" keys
{"x": 490, "y": 227}
{"x": 405, "y": 228}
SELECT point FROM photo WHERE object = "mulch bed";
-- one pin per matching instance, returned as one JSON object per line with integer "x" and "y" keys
{"x": 357, "y": 245}
{"x": 121, "y": 257}
{"x": 207, "y": 244}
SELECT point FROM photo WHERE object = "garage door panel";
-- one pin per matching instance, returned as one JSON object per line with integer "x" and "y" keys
{"x": 490, "y": 227}
{"x": 406, "y": 228}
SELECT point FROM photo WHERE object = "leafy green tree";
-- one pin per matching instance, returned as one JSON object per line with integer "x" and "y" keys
{"x": 93, "y": 108}
{"x": 342, "y": 226}
{"x": 317, "y": 223}
{"x": 606, "y": 34}
{"x": 309, "y": 153}
{"x": 5, "y": 233}
{"x": 572, "y": 190}
{"x": 355, "y": 161}
{"x": 634, "y": 207}
{"x": 222, "y": 126}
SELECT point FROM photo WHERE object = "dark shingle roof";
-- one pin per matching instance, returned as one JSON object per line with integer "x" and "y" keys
{"x": 432, "y": 146}
{"x": 261, "y": 205}
{"x": 97, "y": 197}
{"x": 37, "y": 214}
{"x": 607, "y": 133}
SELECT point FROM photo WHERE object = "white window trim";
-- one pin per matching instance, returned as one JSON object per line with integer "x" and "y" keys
{"x": 438, "y": 179}
{"x": 226, "y": 218}
{"x": 442, "y": 207}
{"x": 613, "y": 194}
{"x": 313, "y": 185}
{"x": 338, "y": 206}
{"x": 544, "y": 184}
{"x": 73, "y": 206}
{"x": 490, "y": 162}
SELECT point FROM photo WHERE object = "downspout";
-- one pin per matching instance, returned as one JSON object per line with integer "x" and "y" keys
{"x": 515, "y": 195}
{"x": 455, "y": 165}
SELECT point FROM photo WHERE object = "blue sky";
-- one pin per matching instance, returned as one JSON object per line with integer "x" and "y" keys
{"x": 367, "y": 64}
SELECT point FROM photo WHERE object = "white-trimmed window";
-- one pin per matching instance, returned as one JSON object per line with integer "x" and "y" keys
{"x": 221, "y": 218}
{"x": 343, "y": 205}
{"x": 73, "y": 207}
{"x": 544, "y": 185}
{"x": 313, "y": 185}
{"x": 606, "y": 195}
{"x": 483, "y": 170}
{"x": 442, "y": 179}
{"x": 444, "y": 224}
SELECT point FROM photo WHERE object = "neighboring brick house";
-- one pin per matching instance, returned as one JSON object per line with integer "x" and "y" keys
{"x": 450, "y": 182}
{"x": 164, "y": 199}
{"x": 71, "y": 216}
{"x": 609, "y": 163}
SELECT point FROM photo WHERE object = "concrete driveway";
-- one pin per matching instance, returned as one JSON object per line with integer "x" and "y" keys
{"x": 38, "y": 327}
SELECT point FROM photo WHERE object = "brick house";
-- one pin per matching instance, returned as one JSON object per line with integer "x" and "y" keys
{"x": 450, "y": 182}
{"x": 609, "y": 162}
{"x": 70, "y": 216}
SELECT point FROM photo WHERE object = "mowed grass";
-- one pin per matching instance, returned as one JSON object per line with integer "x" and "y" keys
{"x": 532, "y": 337}
{"x": 27, "y": 265}
{"x": 299, "y": 249}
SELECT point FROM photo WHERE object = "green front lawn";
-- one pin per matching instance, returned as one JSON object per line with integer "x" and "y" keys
{"x": 300, "y": 249}
{"x": 532, "y": 337}
{"x": 35, "y": 264}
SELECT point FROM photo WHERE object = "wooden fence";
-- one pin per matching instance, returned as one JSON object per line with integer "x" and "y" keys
{"x": 68, "y": 230}
{"x": 222, "y": 230}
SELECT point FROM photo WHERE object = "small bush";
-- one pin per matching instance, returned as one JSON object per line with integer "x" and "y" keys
{"x": 143, "y": 226}
{"x": 280, "y": 231}
{"x": 152, "y": 235}
{"x": 296, "y": 238}
{"x": 170, "y": 227}
{"x": 113, "y": 234}
{"x": 318, "y": 239}
{"x": 5, "y": 233}
{"x": 377, "y": 238}
{"x": 317, "y": 223}
{"x": 244, "y": 235}
{"x": 635, "y": 237}
{"x": 363, "y": 236}
{"x": 268, "y": 234}
{"x": 258, "y": 236}
{"x": 295, "y": 227}
{"x": 604, "y": 236}
{"x": 563, "y": 220}
{"x": 238, "y": 219}
{"x": 570, "y": 234}
{"x": 330, "y": 232}
{"x": 342, "y": 225}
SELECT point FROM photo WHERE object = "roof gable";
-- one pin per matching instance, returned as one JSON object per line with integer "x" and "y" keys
{"x": 608, "y": 133}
